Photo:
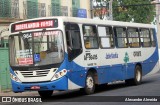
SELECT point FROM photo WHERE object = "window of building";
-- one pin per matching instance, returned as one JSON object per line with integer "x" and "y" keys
{"x": 49, "y": 10}
{"x": 106, "y": 36}
{"x": 15, "y": 8}
{"x": 56, "y": 10}
{"x": 42, "y": 10}
{"x": 121, "y": 37}
{"x": 145, "y": 37}
{"x": 152, "y": 31}
{"x": 75, "y": 7}
{"x": 90, "y": 36}
{"x": 24, "y": 9}
{"x": 3, "y": 43}
{"x": 133, "y": 37}
{"x": 64, "y": 10}
{"x": 32, "y": 8}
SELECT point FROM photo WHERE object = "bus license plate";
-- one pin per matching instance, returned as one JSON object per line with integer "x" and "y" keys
{"x": 35, "y": 88}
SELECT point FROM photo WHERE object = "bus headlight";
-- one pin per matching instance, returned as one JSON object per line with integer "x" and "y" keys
{"x": 59, "y": 74}
{"x": 14, "y": 78}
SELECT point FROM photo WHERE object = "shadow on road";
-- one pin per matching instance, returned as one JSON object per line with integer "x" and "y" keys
{"x": 70, "y": 96}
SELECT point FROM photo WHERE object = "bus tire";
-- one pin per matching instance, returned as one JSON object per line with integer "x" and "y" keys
{"x": 89, "y": 84}
{"x": 137, "y": 77}
{"x": 45, "y": 94}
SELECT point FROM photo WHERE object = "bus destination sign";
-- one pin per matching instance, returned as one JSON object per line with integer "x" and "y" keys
{"x": 38, "y": 24}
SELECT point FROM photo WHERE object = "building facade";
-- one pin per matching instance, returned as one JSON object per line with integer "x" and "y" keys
{"x": 15, "y": 10}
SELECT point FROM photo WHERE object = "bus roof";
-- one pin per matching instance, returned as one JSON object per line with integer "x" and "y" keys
{"x": 106, "y": 22}
{"x": 93, "y": 21}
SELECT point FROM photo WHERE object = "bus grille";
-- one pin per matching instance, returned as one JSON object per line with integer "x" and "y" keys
{"x": 36, "y": 73}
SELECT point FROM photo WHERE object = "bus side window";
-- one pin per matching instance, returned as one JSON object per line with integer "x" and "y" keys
{"x": 133, "y": 37}
{"x": 106, "y": 36}
{"x": 152, "y": 32}
{"x": 90, "y": 36}
{"x": 121, "y": 37}
{"x": 145, "y": 37}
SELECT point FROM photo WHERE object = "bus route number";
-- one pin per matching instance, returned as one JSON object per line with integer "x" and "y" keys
{"x": 27, "y": 36}
{"x": 137, "y": 53}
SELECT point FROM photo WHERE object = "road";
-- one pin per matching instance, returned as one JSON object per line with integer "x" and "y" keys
{"x": 107, "y": 95}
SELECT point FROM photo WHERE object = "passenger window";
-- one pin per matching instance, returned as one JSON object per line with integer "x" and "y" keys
{"x": 90, "y": 36}
{"x": 105, "y": 36}
{"x": 133, "y": 37}
{"x": 121, "y": 38}
{"x": 153, "y": 38}
{"x": 145, "y": 38}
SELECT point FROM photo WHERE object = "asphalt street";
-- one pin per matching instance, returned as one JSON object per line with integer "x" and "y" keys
{"x": 112, "y": 94}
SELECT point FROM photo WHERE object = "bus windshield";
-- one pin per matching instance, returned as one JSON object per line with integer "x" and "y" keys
{"x": 36, "y": 48}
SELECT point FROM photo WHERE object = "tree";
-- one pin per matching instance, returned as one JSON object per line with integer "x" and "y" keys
{"x": 133, "y": 10}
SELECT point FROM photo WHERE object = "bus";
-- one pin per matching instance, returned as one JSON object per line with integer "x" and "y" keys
{"x": 66, "y": 53}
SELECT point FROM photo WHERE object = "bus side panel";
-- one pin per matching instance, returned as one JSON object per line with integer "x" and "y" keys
{"x": 111, "y": 73}
{"x": 150, "y": 63}
{"x": 77, "y": 74}
{"x": 104, "y": 75}
{"x": 130, "y": 71}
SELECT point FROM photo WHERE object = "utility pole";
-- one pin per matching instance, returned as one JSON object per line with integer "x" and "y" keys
{"x": 157, "y": 20}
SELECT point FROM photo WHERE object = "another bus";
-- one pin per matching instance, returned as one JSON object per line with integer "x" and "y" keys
{"x": 65, "y": 53}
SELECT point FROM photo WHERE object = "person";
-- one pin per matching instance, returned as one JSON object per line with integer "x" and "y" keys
{"x": 92, "y": 33}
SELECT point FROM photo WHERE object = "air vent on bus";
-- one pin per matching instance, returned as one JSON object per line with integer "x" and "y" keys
{"x": 35, "y": 73}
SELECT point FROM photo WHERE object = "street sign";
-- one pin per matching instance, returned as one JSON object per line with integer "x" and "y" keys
{"x": 82, "y": 13}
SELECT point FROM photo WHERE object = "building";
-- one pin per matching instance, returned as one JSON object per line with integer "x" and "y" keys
{"x": 15, "y": 10}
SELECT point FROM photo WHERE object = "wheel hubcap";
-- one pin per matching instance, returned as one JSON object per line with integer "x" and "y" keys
{"x": 138, "y": 75}
{"x": 89, "y": 82}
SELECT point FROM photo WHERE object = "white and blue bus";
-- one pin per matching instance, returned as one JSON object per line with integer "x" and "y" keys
{"x": 65, "y": 53}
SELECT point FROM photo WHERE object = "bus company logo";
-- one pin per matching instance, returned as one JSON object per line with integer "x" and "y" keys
{"x": 34, "y": 73}
{"x": 111, "y": 56}
{"x": 90, "y": 56}
{"x": 126, "y": 58}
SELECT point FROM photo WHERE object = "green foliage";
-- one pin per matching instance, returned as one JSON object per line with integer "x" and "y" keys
{"x": 139, "y": 13}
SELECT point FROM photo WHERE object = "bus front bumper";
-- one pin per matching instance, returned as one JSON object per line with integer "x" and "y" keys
{"x": 60, "y": 84}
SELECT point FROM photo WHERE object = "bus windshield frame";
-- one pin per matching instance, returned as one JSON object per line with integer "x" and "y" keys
{"x": 36, "y": 48}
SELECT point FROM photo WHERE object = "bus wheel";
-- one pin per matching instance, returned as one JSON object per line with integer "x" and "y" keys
{"x": 45, "y": 94}
{"x": 137, "y": 77}
{"x": 89, "y": 84}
